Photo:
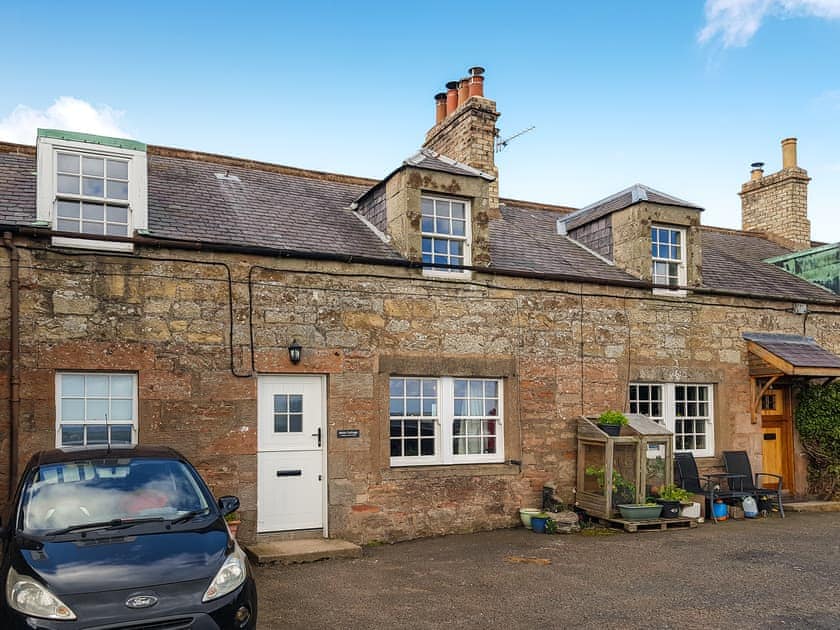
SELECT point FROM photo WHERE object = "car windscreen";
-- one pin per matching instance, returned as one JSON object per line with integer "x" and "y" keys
{"x": 71, "y": 494}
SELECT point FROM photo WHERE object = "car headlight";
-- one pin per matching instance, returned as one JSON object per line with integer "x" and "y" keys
{"x": 31, "y": 598}
{"x": 229, "y": 577}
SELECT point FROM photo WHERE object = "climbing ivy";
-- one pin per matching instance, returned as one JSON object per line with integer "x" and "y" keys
{"x": 818, "y": 424}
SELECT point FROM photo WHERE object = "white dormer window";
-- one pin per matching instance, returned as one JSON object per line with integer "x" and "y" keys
{"x": 446, "y": 234}
{"x": 667, "y": 246}
{"x": 91, "y": 185}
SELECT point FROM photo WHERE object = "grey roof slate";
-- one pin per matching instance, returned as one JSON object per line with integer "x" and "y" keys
{"x": 426, "y": 158}
{"x": 636, "y": 193}
{"x": 797, "y": 350}
{"x": 734, "y": 261}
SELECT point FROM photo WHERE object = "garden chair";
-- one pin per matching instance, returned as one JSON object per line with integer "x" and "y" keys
{"x": 709, "y": 486}
{"x": 739, "y": 463}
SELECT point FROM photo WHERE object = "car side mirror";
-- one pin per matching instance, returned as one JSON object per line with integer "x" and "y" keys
{"x": 228, "y": 504}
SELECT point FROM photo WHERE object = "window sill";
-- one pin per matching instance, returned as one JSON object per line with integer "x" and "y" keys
{"x": 449, "y": 275}
{"x": 450, "y": 470}
{"x": 84, "y": 243}
{"x": 671, "y": 292}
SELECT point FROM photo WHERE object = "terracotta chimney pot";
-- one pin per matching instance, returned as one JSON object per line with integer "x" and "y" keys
{"x": 440, "y": 106}
{"x": 463, "y": 91}
{"x": 789, "y": 153}
{"x": 476, "y": 81}
{"x": 451, "y": 97}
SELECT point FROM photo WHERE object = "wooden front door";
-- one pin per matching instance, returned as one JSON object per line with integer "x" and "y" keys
{"x": 777, "y": 435}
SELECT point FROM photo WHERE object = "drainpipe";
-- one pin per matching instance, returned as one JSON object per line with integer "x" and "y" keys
{"x": 14, "y": 360}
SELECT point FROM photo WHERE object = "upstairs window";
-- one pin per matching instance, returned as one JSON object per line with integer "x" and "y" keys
{"x": 445, "y": 233}
{"x": 92, "y": 186}
{"x": 667, "y": 247}
{"x": 92, "y": 194}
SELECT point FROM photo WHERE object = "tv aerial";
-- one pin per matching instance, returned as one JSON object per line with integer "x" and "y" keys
{"x": 502, "y": 144}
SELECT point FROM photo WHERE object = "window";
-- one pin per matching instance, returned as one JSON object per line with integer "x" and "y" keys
{"x": 446, "y": 233}
{"x": 91, "y": 185}
{"x": 96, "y": 408}
{"x": 685, "y": 409}
{"x": 445, "y": 421}
{"x": 667, "y": 247}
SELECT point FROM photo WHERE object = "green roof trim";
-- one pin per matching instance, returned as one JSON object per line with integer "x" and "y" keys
{"x": 819, "y": 265}
{"x": 75, "y": 136}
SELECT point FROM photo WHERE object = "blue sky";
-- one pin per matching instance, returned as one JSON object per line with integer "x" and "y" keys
{"x": 681, "y": 96}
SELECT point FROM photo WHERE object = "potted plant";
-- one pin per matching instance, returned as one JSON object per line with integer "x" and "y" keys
{"x": 233, "y": 522}
{"x": 538, "y": 522}
{"x": 610, "y": 422}
{"x": 671, "y": 497}
{"x": 640, "y": 511}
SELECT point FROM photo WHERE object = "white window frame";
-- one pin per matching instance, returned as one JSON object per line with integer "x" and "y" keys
{"x": 669, "y": 417}
{"x": 59, "y": 396}
{"x": 681, "y": 261}
{"x": 47, "y": 189}
{"x": 466, "y": 239}
{"x": 444, "y": 426}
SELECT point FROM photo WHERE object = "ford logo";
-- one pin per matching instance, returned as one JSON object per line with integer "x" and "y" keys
{"x": 141, "y": 601}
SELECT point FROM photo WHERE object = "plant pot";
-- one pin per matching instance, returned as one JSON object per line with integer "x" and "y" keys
{"x": 538, "y": 524}
{"x": 670, "y": 509}
{"x": 639, "y": 511}
{"x": 610, "y": 429}
{"x": 233, "y": 527}
{"x": 525, "y": 515}
{"x": 690, "y": 511}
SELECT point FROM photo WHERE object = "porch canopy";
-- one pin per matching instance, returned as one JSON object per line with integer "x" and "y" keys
{"x": 773, "y": 356}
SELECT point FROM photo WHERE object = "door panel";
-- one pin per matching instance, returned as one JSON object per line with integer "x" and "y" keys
{"x": 773, "y": 451}
{"x": 290, "y": 458}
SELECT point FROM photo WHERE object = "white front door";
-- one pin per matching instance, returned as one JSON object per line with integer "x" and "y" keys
{"x": 291, "y": 471}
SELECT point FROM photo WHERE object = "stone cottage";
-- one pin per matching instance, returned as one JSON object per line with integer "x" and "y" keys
{"x": 387, "y": 359}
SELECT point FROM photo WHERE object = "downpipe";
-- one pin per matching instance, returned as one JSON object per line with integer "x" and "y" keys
{"x": 14, "y": 357}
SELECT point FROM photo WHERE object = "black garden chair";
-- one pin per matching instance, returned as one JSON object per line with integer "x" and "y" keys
{"x": 688, "y": 478}
{"x": 738, "y": 462}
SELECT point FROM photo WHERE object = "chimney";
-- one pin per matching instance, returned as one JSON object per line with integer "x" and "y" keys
{"x": 777, "y": 204}
{"x": 468, "y": 132}
{"x": 440, "y": 107}
{"x": 463, "y": 91}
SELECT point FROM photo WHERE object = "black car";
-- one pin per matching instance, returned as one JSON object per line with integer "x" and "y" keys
{"x": 112, "y": 538}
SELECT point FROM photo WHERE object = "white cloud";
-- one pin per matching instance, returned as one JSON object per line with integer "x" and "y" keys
{"x": 67, "y": 113}
{"x": 736, "y": 21}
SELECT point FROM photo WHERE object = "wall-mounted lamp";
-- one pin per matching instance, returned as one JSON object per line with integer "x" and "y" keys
{"x": 294, "y": 352}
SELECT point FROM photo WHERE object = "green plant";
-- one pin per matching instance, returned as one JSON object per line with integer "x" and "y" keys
{"x": 233, "y": 516}
{"x": 675, "y": 493}
{"x": 618, "y": 481}
{"x": 613, "y": 417}
{"x": 551, "y": 526}
{"x": 817, "y": 423}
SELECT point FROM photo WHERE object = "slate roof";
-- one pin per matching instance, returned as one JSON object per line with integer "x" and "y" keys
{"x": 797, "y": 350}
{"x": 198, "y": 197}
{"x": 734, "y": 261}
{"x": 428, "y": 159}
{"x": 636, "y": 193}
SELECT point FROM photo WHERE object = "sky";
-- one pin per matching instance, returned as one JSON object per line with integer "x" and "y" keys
{"x": 679, "y": 95}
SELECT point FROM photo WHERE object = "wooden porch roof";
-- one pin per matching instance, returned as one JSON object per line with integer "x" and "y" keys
{"x": 795, "y": 355}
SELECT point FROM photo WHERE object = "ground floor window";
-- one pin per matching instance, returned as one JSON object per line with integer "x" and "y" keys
{"x": 445, "y": 420}
{"x": 95, "y": 408}
{"x": 685, "y": 409}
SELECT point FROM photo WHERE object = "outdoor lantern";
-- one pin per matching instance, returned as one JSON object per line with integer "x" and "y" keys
{"x": 294, "y": 352}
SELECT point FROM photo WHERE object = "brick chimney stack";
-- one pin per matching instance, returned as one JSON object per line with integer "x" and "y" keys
{"x": 777, "y": 204}
{"x": 467, "y": 133}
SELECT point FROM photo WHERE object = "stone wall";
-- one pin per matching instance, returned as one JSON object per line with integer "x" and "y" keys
{"x": 562, "y": 348}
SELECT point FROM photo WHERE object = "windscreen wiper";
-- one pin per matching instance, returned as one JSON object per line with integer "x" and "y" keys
{"x": 189, "y": 515}
{"x": 115, "y": 523}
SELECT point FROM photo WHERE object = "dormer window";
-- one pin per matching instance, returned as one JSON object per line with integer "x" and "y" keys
{"x": 91, "y": 185}
{"x": 446, "y": 234}
{"x": 667, "y": 247}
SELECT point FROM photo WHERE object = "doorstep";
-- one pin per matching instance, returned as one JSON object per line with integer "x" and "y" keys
{"x": 812, "y": 506}
{"x": 304, "y": 550}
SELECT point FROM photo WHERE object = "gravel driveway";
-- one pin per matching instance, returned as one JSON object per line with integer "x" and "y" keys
{"x": 743, "y": 574}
